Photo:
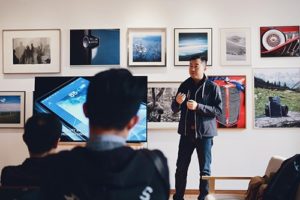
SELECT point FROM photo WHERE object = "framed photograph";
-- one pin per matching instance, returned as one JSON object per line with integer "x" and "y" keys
{"x": 233, "y": 92}
{"x": 235, "y": 46}
{"x": 189, "y": 42}
{"x": 279, "y": 41}
{"x": 12, "y": 109}
{"x": 95, "y": 47}
{"x": 146, "y": 47}
{"x": 31, "y": 51}
{"x": 277, "y": 97}
{"x": 159, "y": 99}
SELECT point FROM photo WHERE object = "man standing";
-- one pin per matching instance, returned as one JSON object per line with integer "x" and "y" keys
{"x": 199, "y": 101}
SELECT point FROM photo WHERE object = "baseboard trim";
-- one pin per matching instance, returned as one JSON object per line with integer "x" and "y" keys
{"x": 196, "y": 192}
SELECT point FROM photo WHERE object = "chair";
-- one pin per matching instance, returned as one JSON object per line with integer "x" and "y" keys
{"x": 273, "y": 165}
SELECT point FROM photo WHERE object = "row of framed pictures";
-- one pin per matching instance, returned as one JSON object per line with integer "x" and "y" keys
{"x": 38, "y": 51}
{"x": 279, "y": 85}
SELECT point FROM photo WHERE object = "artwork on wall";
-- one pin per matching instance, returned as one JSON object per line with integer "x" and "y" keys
{"x": 233, "y": 91}
{"x": 95, "y": 47}
{"x": 159, "y": 98}
{"x": 31, "y": 51}
{"x": 279, "y": 41}
{"x": 12, "y": 109}
{"x": 191, "y": 42}
{"x": 235, "y": 46}
{"x": 146, "y": 46}
{"x": 277, "y": 97}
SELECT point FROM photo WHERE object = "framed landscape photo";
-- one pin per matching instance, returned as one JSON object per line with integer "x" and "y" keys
{"x": 233, "y": 92}
{"x": 189, "y": 42}
{"x": 95, "y": 47}
{"x": 235, "y": 46}
{"x": 146, "y": 47}
{"x": 280, "y": 41}
{"x": 31, "y": 51}
{"x": 12, "y": 109}
{"x": 159, "y": 99}
{"x": 277, "y": 97}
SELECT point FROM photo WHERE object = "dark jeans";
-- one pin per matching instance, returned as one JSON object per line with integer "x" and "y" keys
{"x": 186, "y": 148}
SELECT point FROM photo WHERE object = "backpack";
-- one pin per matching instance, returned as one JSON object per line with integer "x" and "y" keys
{"x": 274, "y": 108}
{"x": 145, "y": 177}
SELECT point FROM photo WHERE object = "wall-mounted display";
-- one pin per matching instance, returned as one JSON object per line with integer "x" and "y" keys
{"x": 159, "y": 98}
{"x": 95, "y": 47}
{"x": 31, "y": 51}
{"x": 277, "y": 97}
{"x": 65, "y": 96}
{"x": 233, "y": 92}
{"x": 146, "y": 46}
{"x": 279, "y": 41}
{"x": 235, "y": 46}
{"x": 12, "y": 109}
{"x": 191, "y": 42}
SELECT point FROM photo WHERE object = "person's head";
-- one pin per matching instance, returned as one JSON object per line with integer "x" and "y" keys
{"x": 113, "y": 99}
{"x": 197, "y": 67}
{"x": 41, "y": 134}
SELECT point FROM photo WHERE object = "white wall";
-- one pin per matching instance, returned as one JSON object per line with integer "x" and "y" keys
{"x": 235, "y": 152}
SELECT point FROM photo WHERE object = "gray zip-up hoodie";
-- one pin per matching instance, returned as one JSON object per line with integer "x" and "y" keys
{"x": 208, "y": 97}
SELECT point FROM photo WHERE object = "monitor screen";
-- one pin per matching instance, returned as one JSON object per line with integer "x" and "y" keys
{"x": 65, "y": 96}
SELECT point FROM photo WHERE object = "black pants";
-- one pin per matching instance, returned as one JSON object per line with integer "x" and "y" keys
{"x": 186, "y": 148}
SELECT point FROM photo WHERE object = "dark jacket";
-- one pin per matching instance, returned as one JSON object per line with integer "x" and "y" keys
{"x": 26, "y": 174}
{"x": 121, "y": 173}
{"x": 208, "y": 97}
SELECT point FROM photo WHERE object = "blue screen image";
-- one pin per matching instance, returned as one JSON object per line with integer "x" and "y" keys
{"x": 67, "y": 103}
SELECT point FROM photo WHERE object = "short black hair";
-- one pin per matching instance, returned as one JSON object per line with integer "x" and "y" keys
{"x": 202, "y": 58}
{"x": 42, "y": 132}
{"x": 113, "y": 98}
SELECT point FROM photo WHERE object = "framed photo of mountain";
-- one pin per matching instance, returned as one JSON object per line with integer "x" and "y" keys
{"x": 190, "y": 42}
{"x": 235, "y": 46}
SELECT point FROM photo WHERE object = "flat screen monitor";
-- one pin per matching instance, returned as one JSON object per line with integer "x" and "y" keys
{"x": 65, "y": 96}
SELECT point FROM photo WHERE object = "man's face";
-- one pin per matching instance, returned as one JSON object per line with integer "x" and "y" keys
{"x": 196, "y": 69}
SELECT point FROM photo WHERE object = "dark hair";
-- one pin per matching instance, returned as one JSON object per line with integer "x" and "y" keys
{"x": 113, "y": 98}
{"x": 42, "y": 132}
{"x": 202, "y": 58}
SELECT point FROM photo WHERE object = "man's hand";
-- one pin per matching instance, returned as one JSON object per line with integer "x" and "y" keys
{"x": 191, "y": 104}
{"x": 180, "y": 98}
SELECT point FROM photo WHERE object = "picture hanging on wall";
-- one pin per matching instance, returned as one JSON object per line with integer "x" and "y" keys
{"x": 279, "y": 41}
{"x": 146, "y": 47}
{"x": 31, "y": 51}
{"x": 12, "y": 109}
{"x": 235, "y": 46}
{"x": 277, "y": 97}
{"x": 159, "y": 98}
{"x": 191, "y": 42}
{"x": 233, "y": 91}
{"x": 95, "y": 47}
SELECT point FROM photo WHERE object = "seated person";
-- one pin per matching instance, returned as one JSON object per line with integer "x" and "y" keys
{"x": 41, "y": 135}
{"x": 106, "y": 168}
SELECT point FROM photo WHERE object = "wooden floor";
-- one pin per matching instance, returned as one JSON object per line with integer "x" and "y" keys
{"x": 186, "y": 197}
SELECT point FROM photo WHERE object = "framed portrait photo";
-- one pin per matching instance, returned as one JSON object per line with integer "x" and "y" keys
{"x": 276, "y": 97}
{"x": 190, "y": 42}
{"x": 235, "y": 46}
{"x": 31, "y": 51}
{"x": 159, "y": 99}
{"x": 146, "y": 47}
{"x": 12, "y": 109}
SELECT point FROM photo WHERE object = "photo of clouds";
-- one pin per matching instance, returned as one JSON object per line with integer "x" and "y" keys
{"x": 10, "y": 109}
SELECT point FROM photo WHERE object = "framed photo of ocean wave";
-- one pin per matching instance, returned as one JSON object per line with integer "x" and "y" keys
{"x": 235, "y": 46}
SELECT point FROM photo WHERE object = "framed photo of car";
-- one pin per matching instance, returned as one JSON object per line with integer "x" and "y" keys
{"x": 31, "y": 51}
{"x": 12, "y": 109}
{"x": 146, "y": 47}
{"x": 280, "y": 41}
{"x": 190, "y": 42}
{"x": 235, "y": 46}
